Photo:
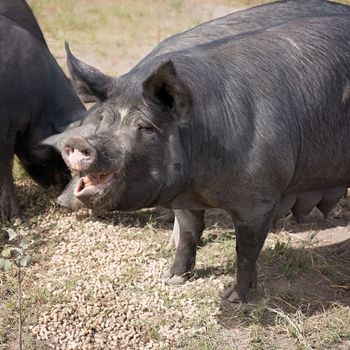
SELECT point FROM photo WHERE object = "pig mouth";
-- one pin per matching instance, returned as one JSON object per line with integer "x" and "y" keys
{"x": 94, "y": 184}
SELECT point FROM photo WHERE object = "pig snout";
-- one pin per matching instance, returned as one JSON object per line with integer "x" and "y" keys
{"x": 79, "y": 154}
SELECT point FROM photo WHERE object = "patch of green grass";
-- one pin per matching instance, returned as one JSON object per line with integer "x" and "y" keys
{"x": 163, "y": 251}
{"x": 9, "y": 312}
{"x": 130, "y": 274}
{"x": 291, "y": 262}
{"x": 217, "y": 254}
{"x": 72, "y": 282}
{"x": 30, "y": 343}
{"x": 100, "y": 246}
{"x": 334, "y": 270}
{"x": 8, "y": 320}
{"x": 259, "y": 340}
{"x": 214, "y": 338}
{"x": 332, "y": 327}
{"x": 248, "y": 314}
{"x": 152, "y": 332}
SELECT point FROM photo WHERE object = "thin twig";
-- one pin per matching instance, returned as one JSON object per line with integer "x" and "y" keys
{"x": 19, "y": 307}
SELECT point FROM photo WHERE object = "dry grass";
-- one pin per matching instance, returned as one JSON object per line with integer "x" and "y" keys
{"x": 96, "y": 279}
{"x": 114, "y": 35}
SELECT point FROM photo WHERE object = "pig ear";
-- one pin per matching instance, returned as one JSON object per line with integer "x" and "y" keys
{"x": 166, "y": 88}
{"x": 56, "y": 141}
{"x": 90, "y": 84}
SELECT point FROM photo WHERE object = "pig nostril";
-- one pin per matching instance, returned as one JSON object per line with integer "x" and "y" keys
{"x": 68, "y": 150}
{"x": 86, "y": 152}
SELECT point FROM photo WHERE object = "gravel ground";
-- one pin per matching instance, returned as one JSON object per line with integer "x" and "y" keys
{"x": 96, "y": 309}
{"x": 103, "y": 284}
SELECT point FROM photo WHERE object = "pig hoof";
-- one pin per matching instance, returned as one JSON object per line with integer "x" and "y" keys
{"x": 176, "y": 280}
{"x": 9, "y": 212}
{"x": 172, "y": 279}
{"x": 232, "y": 296}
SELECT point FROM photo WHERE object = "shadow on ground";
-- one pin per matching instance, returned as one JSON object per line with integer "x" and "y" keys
{"x": 309, "y": 280}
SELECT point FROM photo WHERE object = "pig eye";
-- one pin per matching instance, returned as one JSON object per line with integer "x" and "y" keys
{"x": 103, "y": 116}
{"x": 147, "y": 129}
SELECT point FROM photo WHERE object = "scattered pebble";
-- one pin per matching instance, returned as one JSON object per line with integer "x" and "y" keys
{"x": 104, "y": 289}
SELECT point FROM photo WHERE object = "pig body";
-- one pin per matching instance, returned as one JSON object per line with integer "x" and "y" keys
{"x": 240, "y": 123}
{"x": 36, "y": 101}
{"x": 239, "y": 22}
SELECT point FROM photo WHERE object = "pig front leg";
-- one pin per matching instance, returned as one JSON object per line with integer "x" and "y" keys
{"x": 189, "y": 225}
{"x": 251, "y": 233}
{"x": 9, "y": 207}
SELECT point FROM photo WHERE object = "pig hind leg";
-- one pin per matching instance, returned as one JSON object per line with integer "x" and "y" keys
{"x": 305, "y": 203}
{"x": 283, "y": 208}
{"x": 251, "y": 232}
{"x": 189, "y": 225}
{"x": 330, "y": 200}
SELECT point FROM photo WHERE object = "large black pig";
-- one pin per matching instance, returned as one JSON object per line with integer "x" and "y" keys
{"x": 250, "y": 19}
{"x": 36, "y": 101}
{"x": 239, "y": 123}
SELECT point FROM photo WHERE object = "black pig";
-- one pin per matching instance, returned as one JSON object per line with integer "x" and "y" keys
{"x": 238, "y": 123}
{"x": 36, "y": 101}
